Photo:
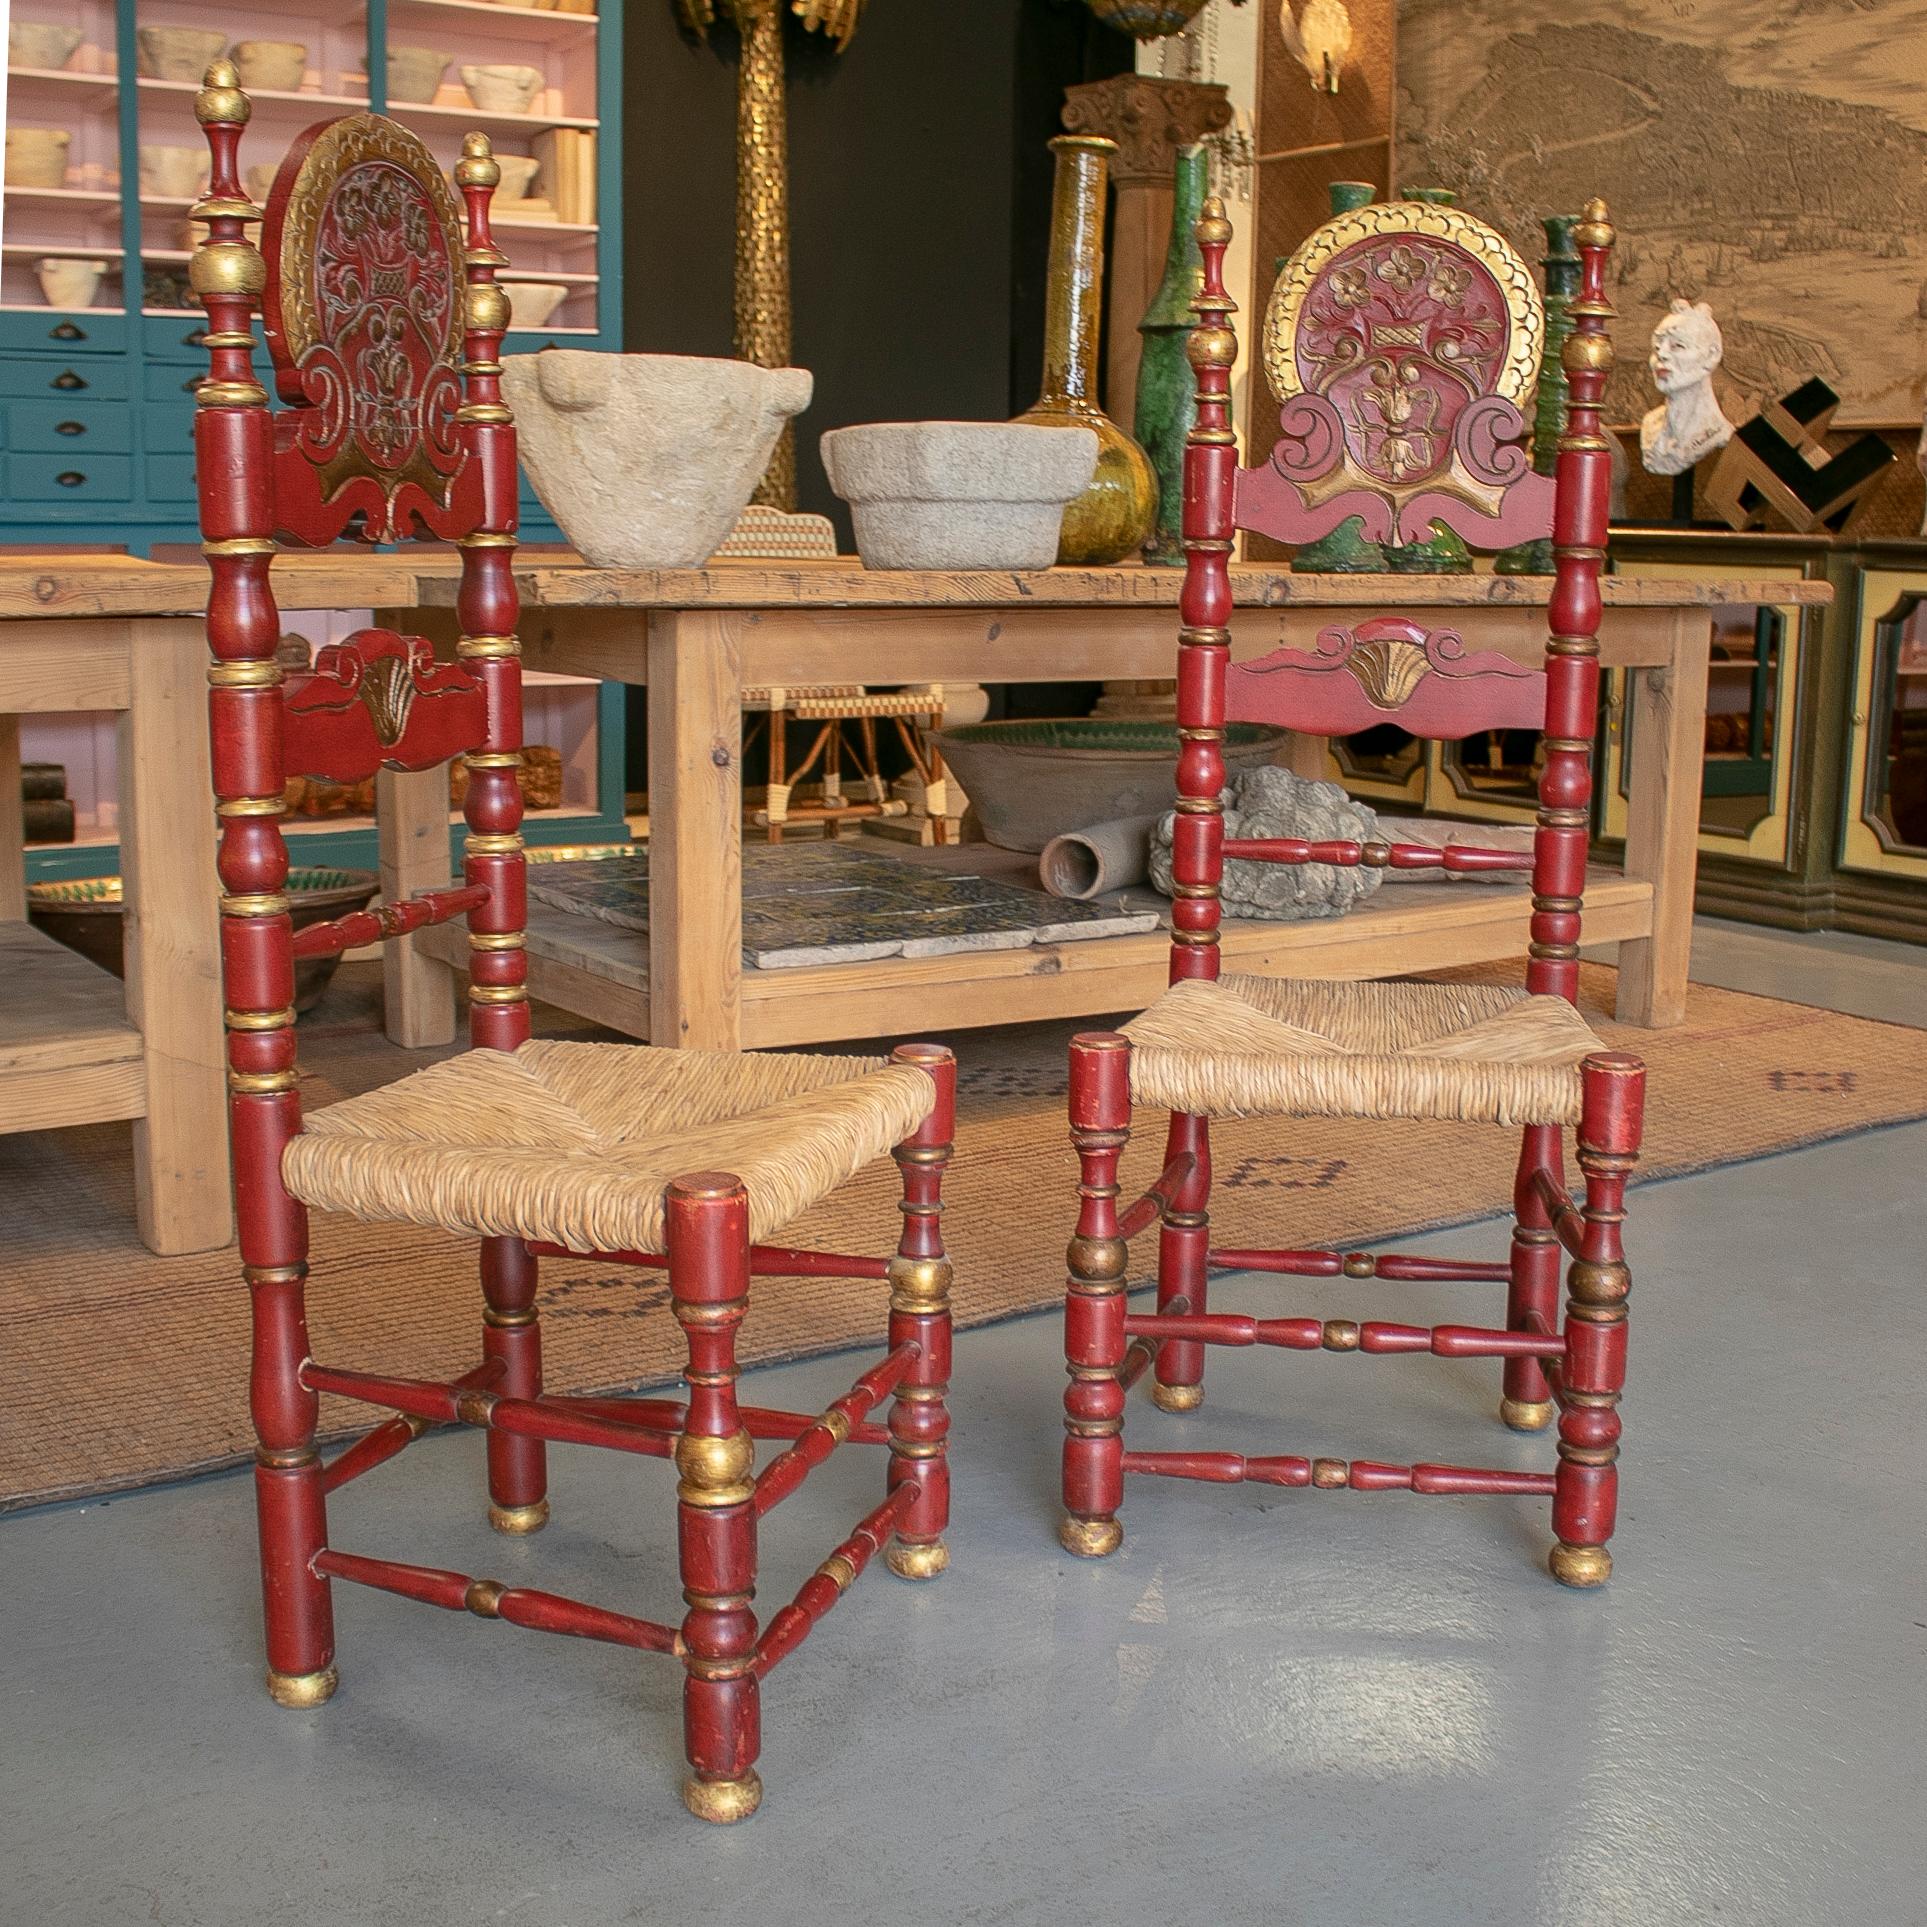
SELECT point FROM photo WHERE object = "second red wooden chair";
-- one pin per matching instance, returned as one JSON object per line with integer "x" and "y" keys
{"x": 1401, "y": 343}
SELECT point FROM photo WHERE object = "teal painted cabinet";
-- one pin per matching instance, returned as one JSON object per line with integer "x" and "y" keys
{"x": 104, "y": 160}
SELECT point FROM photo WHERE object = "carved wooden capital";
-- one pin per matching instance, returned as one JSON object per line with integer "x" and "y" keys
{"x": 1149, "y": 118}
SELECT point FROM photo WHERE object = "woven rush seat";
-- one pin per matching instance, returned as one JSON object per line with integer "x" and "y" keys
{"x": 573, "y": 1144}
{"x": 1263, "y": 1046}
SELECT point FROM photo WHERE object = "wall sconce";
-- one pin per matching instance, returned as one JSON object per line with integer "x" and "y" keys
{"x": 1319, "y": 37}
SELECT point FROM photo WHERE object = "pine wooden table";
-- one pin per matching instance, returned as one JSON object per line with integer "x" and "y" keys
{"x": 107, "y": 632}
{"x": 697, "y": 637}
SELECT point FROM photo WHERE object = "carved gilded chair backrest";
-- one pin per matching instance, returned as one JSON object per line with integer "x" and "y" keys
{"x": 1402, "y": 344}
{"x": 364, "y": 314}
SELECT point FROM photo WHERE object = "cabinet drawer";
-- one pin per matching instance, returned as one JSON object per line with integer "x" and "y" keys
{"x": 177, "y": 337}
{"x": 51, "y": 427}
{"x": 173, "y": 381}
{"x": 170, "y": 478}
{"x": 40, "y": 377}
{"x": 77, "y": 478}
{"x": 168, "y": 428}
{"x": 52, "y": 333}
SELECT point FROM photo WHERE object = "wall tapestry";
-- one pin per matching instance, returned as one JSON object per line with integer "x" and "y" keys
{"x": 1766, "y": 156}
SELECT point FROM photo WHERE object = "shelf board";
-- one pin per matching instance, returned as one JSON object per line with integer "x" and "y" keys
{"x": 40, "y": 307}
{"x": 104, "y": 198}
{"x": 72, "y": 251}
{"x": 525, "y": 23}
{"x": 105, "y": 86}
{"x": 527, "y": 330}
{"x": 467, "y": 117}
{"x": 269, "y": 96}
{"x": 510, "y": 276}
{"x": 562, "y": 230}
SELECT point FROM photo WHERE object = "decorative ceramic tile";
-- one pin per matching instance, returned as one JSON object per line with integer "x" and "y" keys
{"x": 823, "y": 903}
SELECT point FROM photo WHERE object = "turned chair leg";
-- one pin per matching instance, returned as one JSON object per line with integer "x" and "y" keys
{"x": 1184, "y": 1236}
{"x": 1532, "y": 1298}
{"x": 1586, "y": 1496}
{"x": 518, "y": 1468}
{"x": 296, "y": 1601}
{"x": 920, "y": 1314}
{"x": 708, "y": 1248}
{"x": 1094, "y": 1347}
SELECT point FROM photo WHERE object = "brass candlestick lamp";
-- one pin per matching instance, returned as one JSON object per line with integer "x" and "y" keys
{"x": 762, "y": 187}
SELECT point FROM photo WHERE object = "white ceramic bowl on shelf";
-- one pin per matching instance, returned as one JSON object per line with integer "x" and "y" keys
{"x": 37, "y": 156}
{"x": 502, "y": 89}
{"x": 170, "y": 173}
{"x": 646, "y": 461}
{"x": 534, "y": 301}
{"x": 958, "y": 495}
{"x": 41, "y": 43}
{"x": 277, "y": 66}
{"x": 176, "y": 53}
{"x": 518, "y": 171}
{"x": 68, "y": 283}
{"x": 415, "y": 73}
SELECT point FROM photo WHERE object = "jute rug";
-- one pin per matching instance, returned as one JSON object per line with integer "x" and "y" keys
{"x": 118, "y": 1369}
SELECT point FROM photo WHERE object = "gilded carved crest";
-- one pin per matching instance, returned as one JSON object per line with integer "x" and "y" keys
{"x": 364, "y": 307}
{"x": 1402, "y": 341}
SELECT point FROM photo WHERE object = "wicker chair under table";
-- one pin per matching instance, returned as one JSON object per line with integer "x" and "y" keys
{"x": 384, "y": 323}
{"x": 1400, "y": 341}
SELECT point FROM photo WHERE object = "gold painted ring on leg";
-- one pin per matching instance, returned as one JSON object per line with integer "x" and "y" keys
{"x": 1090, "y": 1538}
{"x": 519, "y": 1518}
{"x": 1580, "y": 1565}
{"x": 723, "y": 1802}
{"x": 922, "y": 1561}
{"x": 302, "y": 1689}
{"x": 1526, "y": 1415}
{"x": 1176, "y": 1398}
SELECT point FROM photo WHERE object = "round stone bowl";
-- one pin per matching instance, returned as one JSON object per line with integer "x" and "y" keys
{"x": 1033, "y": 780}
{"x": 646, "y": 461}
{"x": 87, "y": 917}
{"x": 176, "y": 53}
{"x": 958, "y": 495}
{"x": 41, "y": 43}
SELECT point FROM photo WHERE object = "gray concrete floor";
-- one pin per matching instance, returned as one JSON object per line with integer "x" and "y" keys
{"x": 1268, "y": 1707}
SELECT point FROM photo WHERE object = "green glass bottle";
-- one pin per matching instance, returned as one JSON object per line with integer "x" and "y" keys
{"x": 1346, "y": 550}
{"x": 1167, "y": 401}
{"x": 1549, "y": 413}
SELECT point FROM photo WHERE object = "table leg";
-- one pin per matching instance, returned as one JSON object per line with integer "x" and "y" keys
{"x": 181, "y": 1193}
{"x": 695, "y": 831}
{"x": 418, "y": 991}
{"x": 13, "y": 829}
{"x": 1666, "y": 757}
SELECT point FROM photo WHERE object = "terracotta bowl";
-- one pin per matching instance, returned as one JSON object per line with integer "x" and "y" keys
{"x": 532, "y": 302}
{"x": 42, "y": 43}
{"x": 415, "y": 73}
{"x": 172, "y": 173}
{"x": 279, "y": 66}
{"x": 502, "y": 89}
{"x": 176, "y": 53}
{"x": 87, "y": 917}
{"x": 1030, "y": 781}
{"x": 518, "y": 173}
{"x": 37, "y": 156}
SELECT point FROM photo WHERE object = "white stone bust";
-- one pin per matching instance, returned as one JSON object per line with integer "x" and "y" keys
{"x": 1688, "y": 425}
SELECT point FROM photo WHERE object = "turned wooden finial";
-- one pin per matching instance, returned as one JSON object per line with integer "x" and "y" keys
{"x": 221, "y": 101}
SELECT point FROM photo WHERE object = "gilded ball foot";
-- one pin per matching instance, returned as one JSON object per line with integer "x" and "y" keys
{"x": 1526, "y": 1414}
{"x": 1090, "y": 1538}
{"x": 723, "y": 1802}
{"x": 302, "y": 1689}
{"x": 1176, "y": 1398}
{"x": 1580, "y": 1565}
{"x": 917, "y": 1562}
{"x": 519, "y": 1518}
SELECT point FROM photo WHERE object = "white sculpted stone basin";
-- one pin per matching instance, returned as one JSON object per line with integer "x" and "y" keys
{"x": 958, "y": 495}
{"x": 646, "y": 461}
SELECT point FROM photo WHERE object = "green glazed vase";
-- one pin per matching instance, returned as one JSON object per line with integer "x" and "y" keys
{"x": 1113, "y": 516}
{"x": 1167, "y": 395}
{"x": 1561, "y": 265}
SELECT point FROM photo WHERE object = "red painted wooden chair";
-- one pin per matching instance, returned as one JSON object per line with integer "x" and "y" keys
{"x": 1376, "y": 340}
{"x": 384, "y": 324}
